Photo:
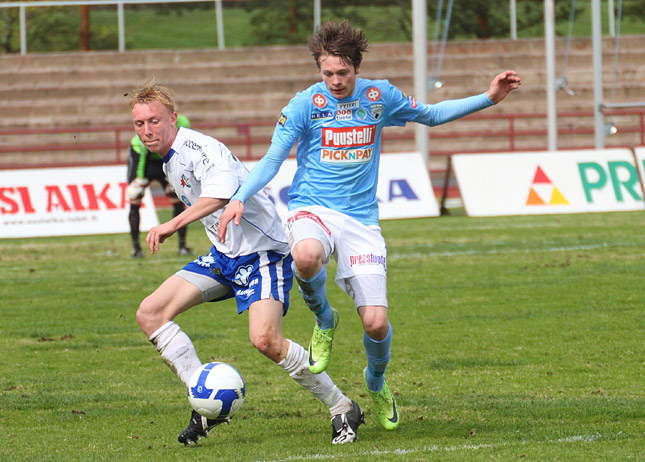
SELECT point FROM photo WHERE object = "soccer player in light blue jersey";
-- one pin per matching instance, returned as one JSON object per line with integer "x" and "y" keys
{"x": 333, "y": 208}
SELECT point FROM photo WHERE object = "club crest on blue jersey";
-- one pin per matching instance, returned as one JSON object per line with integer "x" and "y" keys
{"x": 376, "y": 110}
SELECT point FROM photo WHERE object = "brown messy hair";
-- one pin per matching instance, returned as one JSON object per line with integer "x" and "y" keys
{"x": 341, "y": 40}
{"x": 150, "y": 92}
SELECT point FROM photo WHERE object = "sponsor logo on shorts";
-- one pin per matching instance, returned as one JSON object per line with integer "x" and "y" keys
{"x": 325, "y": 115}
{"x": 242, "y": 275}
{"x": 367, "y": 259}
{"x": 246, "y": 293}
{"x": 349, "y": 156}
{"x": 306, "y": 214}
{"x": 348, "y": 137}
{"x": 249, "y": 291}
{"x": 319, "y": 100}
{"x": 373, "y": 94}
{"x": 205, "y": 261}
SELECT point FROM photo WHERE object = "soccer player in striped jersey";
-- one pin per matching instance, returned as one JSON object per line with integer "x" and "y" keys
{"x": 253, "y": 266}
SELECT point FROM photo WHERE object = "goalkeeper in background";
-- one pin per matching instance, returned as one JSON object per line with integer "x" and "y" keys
{"x": 143, "y": 167}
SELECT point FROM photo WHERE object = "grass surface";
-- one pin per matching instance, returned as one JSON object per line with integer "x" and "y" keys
{"x": 515, "y": 338}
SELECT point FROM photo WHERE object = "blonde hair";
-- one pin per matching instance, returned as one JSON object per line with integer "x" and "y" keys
{"x": 150, "y": 92}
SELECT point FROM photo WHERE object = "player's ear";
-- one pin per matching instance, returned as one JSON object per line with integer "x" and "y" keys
{"x": 357, "y": 69}
{"x": 173, "y": 118}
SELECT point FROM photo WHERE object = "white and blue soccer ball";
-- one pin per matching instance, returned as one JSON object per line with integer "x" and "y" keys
{"x": 216, "y": 390}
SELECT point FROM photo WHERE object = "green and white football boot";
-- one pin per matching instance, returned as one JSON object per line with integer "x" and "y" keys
{"x": 320, "y": 346}
{"x": 384, "y": 405}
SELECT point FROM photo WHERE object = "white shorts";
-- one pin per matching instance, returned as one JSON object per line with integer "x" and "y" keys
{"x": 358, "y": 249}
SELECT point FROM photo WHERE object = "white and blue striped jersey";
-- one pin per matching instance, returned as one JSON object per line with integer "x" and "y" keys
{"x": 197, "y": 166}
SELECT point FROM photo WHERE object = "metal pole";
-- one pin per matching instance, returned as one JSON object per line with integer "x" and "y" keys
{"x": 23, "y": 30}
{"x": 121, "y": 27}
{"x": 220, "y": 24}
{"x": 610, "y": 15}
{"x": 317, "y": 10}
{"x": 549, "y": 40}
{"x": 420, "y": 35}
{"x": 513, "y": 8}
{"x": 596, "y": 30}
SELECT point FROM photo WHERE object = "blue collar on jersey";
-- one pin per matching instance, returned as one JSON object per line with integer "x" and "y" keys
{"x": 168, "y": 156}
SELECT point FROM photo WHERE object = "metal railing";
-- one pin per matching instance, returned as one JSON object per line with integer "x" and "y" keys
{"x": 249, "y": 140}
{"x": 120, "y": 15}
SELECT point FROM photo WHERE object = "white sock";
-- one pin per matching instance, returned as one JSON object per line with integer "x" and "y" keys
{"x": 176, "y": 350}
{"x": 320, "y": 385}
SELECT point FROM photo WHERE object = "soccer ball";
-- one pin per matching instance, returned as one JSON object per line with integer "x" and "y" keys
{"x": 216, "y": 390}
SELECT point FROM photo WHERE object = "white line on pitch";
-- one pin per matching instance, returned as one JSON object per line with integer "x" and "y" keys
{"x": 434, "y": 448}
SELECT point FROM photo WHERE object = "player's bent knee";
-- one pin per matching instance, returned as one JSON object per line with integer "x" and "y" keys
{"x": 267, "y": 343}
{"x": 149, "y": 315}
{"x": 308, "y": 256}
{"x": 375, "y": 322}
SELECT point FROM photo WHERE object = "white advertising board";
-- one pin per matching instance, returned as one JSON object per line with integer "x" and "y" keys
{"x": 68, "y": 201}
{"x": 404, "y": 189}
{"x": 548, "y": 182}
{"x": 91, "y": 200}
{"x": 640, "y": 157}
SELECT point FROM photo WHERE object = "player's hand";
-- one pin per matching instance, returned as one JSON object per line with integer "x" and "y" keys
{"x": 134, "y": 191}
{"x": 158, "y": 234}
{"x": 502, "y": 85}
{"x": 233, "y": 211}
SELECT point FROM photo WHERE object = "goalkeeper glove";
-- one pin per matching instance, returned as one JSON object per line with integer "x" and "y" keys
{"x": 136, "y": 188}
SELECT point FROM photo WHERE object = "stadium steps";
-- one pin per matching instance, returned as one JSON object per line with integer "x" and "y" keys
{"x": 252, "y": 84}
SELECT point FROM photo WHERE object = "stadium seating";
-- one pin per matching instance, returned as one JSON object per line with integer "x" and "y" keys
{"x": 251, "y": 84}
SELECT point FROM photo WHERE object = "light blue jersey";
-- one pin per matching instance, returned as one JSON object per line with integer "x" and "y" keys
{"x": 339, "y": 143}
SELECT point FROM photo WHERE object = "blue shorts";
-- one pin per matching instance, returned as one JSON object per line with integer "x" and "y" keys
{"x": 250, "y": 277}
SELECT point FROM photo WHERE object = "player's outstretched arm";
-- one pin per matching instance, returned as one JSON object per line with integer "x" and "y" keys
{"x": 202, "y": 207}
{"x": 233, "y": 212}
{"x": 502, "y": 85}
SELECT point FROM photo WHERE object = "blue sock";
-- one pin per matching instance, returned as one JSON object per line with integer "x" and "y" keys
{"x": 314, "y": 293}
{"x": 378, "y": 356}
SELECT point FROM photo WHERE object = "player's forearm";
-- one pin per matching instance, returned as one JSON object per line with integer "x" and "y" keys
{"x": 449, "y": 110}
{"x": 202, "y": 207}
{"x": 262, "y": 173}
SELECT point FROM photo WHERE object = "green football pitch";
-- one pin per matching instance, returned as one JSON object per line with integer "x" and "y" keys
{"x": 515, "y": 338}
